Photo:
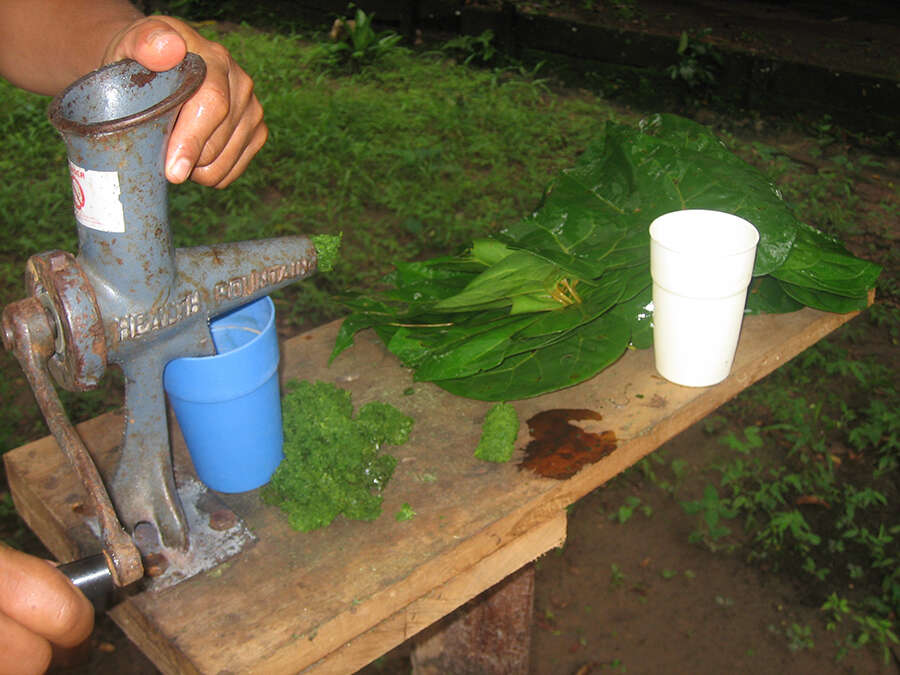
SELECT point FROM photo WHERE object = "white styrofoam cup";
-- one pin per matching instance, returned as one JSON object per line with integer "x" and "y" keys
{"x": 701, "y": 263}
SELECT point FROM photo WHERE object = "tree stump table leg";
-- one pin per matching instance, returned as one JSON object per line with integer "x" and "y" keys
{"x": 489, "y": 635}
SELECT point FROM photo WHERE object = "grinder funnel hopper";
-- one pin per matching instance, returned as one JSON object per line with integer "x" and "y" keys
{"x": 116, "y": 124}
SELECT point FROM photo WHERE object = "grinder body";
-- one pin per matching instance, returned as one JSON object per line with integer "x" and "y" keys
{"x": 129, "y": 297}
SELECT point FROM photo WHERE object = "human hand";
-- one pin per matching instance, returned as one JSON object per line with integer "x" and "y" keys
{"x": 220, "y": 128}
{"x": 39, "y": 608}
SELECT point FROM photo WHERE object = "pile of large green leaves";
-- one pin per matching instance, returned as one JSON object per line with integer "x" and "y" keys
{"x": 552, "y": 300}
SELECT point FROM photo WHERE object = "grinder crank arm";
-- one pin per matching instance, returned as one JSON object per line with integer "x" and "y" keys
{"x": 29, "y": 333}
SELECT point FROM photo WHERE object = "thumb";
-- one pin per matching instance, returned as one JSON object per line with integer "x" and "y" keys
{"x": 153, "y": 43}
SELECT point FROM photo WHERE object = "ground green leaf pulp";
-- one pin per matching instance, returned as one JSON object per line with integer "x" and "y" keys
{"x": 498, "y": 434}
{"x": 327, "y": 247}
{"x": 333, "y": 462}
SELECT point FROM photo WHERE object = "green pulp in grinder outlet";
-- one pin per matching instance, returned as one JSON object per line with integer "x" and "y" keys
{"x": 327, "y": 247}
{"x": 333, "y": 462}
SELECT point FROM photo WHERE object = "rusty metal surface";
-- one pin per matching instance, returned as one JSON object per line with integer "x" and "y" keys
{"x": 143, "y": 487}
{"x": 79, "y": 359}
{"x": 229, "y": 275}
{"x": 217, "y": 534}
{"x": 28, "y": 333}
{"x": 85, "y": 108}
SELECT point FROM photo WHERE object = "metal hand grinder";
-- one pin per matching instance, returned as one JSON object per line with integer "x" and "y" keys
{"x": 129, "y": 297}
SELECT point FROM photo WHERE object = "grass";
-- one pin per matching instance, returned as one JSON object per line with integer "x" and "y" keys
{"x": 816, "y": 486}
{"x": 410, "y": 155}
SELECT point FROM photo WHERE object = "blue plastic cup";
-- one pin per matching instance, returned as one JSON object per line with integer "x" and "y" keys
{"x": 228, "y": 405}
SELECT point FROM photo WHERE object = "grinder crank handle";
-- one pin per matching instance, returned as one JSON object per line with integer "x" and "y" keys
{"x": 28, "y": 332}
{"x": 93, "y": 577}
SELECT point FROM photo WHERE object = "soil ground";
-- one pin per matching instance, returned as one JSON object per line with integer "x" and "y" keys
{"x": 638, "y": 597}
{"x": 678, "y": 608}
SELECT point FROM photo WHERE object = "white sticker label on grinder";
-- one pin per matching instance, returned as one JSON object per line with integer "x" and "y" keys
{"x": 96, "y": 198}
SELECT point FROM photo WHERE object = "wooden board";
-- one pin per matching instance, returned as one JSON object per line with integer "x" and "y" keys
{"x": 331, "y": 600}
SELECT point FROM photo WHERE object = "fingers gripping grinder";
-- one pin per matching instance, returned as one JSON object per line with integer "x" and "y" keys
{"x": 130, "y": 298}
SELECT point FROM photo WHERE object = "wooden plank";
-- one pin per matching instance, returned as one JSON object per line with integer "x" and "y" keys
{"x": 427, "y": 611}
{"x": 294, "y": 599}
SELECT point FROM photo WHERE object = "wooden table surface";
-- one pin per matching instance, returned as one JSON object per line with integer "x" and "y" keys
{"x": 333, "y": 600}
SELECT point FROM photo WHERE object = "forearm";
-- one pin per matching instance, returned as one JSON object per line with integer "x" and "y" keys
{"x": 46, "y": 44}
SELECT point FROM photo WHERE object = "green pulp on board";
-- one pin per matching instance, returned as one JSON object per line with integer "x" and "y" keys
{"x": 553, "y": 299}
{"x": 327, "y": 246}
{"x": 333, "y": 462}
{"x": 498, "y": 434}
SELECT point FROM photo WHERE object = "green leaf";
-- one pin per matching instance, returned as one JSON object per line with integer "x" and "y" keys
{"x": 819, "y": 262}
{"x": 594, "y": 301}
{"x": 766, "y": 295}
{"x": 369, "y": 314}
{"x": 825, "y": 301}
{"x": 468, "y": 353}
{"x": 638, "y": 314}
{"x": 489, "y": 251}
{"x": 585, "y": 352}
{"x": 681, "y": 165}
{"x": 518, "y": 274}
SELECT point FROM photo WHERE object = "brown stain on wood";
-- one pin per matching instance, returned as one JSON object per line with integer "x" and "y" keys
{"x": 559, "y": 449}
